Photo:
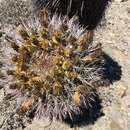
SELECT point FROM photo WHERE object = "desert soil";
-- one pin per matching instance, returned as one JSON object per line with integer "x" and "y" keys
{"x": 114, "y": 34}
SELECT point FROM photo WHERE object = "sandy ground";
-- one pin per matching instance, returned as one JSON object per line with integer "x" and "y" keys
{"x": 114, "y": 34}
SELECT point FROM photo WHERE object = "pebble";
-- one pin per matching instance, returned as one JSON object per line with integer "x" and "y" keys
{"x": 121, "y": 90}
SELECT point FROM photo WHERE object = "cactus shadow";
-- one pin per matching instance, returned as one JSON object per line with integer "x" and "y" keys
{"x": 112, "y": 73}
{"x": 89, "y": 116}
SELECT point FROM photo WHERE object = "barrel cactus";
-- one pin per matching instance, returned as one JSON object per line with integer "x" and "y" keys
{"x": 52, "y": 67}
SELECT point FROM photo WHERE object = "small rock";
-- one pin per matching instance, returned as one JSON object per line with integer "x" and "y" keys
{"x": 121, "y": 90}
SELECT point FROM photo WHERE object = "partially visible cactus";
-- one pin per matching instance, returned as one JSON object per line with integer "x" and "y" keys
{"x": 89, "y": 12}
{"x": 54, "y": 67}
